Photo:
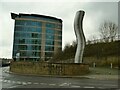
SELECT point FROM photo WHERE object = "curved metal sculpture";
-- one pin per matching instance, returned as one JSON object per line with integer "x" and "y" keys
{"x": 79, "y": 36}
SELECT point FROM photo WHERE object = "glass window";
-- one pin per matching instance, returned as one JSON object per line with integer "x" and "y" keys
{"x": 14, "y": 52}
{"x": 59, "y": 32}
{"x": 21, "y": 41}
{"x": 23, "y": 53}
{"x": 28, "y": 35}
{"x": 35, "y": 47}
{"x": 19, "y": 22}
{"x": 22, "y": 34}
{"x": 15, "y": 47}
{"x": 22, "y": 47}
{"x": 60, "y": 43}
{"x": 49, "y": 48}
{"x": 49, "y": 42}
{"x": 36, "y": 41}
{"x": 48, "y": 54}
{"x": 16, "y": 41}
{"x": 49, "y": 31}
{"x": 34, "y": 17}
{"x": 38, "y": 30}
{"x": 59, "y": 37}
{"x": 36, "y": 54}
{"x": 48, "y": 36}
{"x": 29, "y": 47}
{"x": 28, "y": 29}
{"x": 35, "y": 35}
{"x": 32, "y": 29}
{"x": 19, "y": 28}
{"x": 27, "y": 41}
{"x": 50, "y": 25}
{"x": 28, "y": 23}
{"x": 29, "y": 53}
{"x": 58, "y": 26}
{"x": 17, "y": 34}
{"x": 41, "y": 18}
{"x": 39, "y": 24}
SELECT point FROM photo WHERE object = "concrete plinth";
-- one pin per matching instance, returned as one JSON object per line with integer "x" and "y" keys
{"x": 43, "y": 68}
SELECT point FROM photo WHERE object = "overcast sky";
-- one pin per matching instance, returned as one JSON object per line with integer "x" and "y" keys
{"x": 95, "y": 14}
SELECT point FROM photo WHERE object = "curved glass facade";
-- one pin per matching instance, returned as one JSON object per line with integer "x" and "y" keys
{"x": 36, "y": 37}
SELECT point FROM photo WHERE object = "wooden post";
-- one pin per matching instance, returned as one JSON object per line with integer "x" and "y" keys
{"x": 94, "y": 64}
{"x": 111, "y": 65}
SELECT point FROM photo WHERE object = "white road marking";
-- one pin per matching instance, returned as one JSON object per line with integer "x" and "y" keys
{"x": 5, "y": 80}
{"x": 7, "y": 71}
{"x": 65, "y": 84}
{"x": 14, "y": 86}
{"x": 18, "y": 82}
{"x": 24, "y": 83}
{"x": 52, "y": 84}
{"x": 112, "y": 85}
{"x": 13, "y": 81}
{"x": 9, "y": 81}
{"x": 29, "y": 82}
{"x": 35, "y": 83}
{"x": 101, "y": 87}
{"x": 1, "y": 80}
{"x": 88, "y": 87}
{"x": 43, "y": 83}
{"x": 75, "y": 86}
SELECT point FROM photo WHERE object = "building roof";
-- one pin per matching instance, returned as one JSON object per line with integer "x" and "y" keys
{"x": 13, "y": 16}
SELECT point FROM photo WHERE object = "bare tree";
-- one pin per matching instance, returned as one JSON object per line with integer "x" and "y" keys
{"x": 92, "y": 39}
{"x": 108, "y": 31}
{"x": 74, "y": 43}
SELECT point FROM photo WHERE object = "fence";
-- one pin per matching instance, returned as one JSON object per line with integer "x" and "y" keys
{"x": 117, "y": 38}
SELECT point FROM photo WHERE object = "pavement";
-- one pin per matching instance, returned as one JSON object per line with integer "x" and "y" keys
{"x": 103, "y": 77}
{"x": 103, "y": 73}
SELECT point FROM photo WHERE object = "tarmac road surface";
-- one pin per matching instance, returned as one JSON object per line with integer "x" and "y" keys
{"x": 9, "y": 80}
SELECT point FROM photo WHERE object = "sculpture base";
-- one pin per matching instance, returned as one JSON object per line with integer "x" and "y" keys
{"x": 44, "y": 68}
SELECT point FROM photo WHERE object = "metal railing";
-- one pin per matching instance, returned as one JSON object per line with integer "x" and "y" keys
{"x": 117, "y": 38}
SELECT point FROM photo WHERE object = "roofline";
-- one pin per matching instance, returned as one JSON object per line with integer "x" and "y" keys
{"x": 13, "y": 16}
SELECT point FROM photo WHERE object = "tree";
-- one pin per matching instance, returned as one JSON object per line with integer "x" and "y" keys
{"x": 108, "y": 31}
{"x": 93, "y": 39}
{"x": 67, "y": 53}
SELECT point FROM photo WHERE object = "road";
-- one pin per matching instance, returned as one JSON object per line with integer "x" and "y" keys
{"x": 9, "y": 80}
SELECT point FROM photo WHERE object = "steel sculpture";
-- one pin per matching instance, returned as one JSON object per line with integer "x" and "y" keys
{"x": 78, "y": 27}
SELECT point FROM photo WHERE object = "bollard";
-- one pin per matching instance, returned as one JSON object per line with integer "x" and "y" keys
{"x": 94, "y": 64}
{"x": 111, "y": 66}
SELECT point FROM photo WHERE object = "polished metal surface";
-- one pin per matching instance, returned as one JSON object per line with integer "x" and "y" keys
{"x": 78, "y": 27}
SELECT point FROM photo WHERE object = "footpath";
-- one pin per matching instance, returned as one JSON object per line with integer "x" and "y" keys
{"x": 103, "y": 73}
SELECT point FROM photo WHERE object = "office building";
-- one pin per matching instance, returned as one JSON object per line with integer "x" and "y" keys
{"x": 36, "y": 37}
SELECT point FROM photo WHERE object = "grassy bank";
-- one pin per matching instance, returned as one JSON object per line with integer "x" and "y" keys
{"x": 103, "y": 61}
{"x": 103, "y": 71}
